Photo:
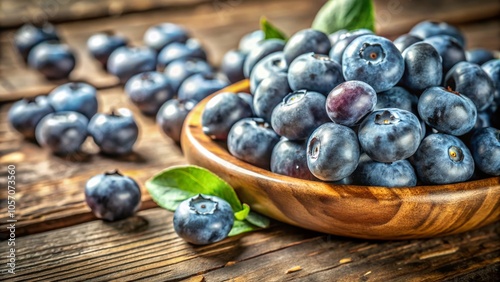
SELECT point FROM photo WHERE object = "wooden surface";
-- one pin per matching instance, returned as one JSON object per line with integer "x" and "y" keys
{"x": 345, "y": 210}
{"x": 57, "y": 237}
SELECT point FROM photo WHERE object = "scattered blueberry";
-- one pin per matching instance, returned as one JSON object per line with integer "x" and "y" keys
{"x": 112, "y": 196}
{"x": 252, "y": 140}
{"x": 174, "y": 51}
{"x": 148, "y": 91}
{"x": 62, "y": 132}
{"x": 179, "y": 70}
{"x": 126, "y": 62}
{"x": 199, "y": 86}
{"x": 25, "y": 114}
{"x": 332, "y": 152}
{"x": 485, "y": 149}
{"x": 306, "y": 41}
{"x": 29, "y": 35}
{"x": 114, "y": 133}
{"x": 261, "y": 51}
{"x": 52, "y": 59}
{"x": 74, "y": 96}
{"x": 203, "y": 219}
{"x": 102, "y": 44}
{"x": 290, "y": 158}
{"x": 171, "y": 116}
{"x": 161, "y": 35}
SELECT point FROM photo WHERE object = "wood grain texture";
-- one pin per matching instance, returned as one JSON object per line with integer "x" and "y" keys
{"x": 146, "y": 248}
{"x": 346, "y": 210}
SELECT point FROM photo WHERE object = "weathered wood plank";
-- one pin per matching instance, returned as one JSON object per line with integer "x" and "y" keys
{"x": 50, "y": 189}
{"x": 146, "y": 247}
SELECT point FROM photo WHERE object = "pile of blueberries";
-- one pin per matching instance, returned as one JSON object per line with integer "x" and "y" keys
{"x": 353, "y": 107}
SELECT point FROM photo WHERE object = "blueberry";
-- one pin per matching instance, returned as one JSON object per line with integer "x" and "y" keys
{"x": 390, "y": 134}
{"x": 161, "y": 35}
{"x": 374, "y": 60}
{"x": 395, "y": 174}
{"x": 485, "y": 149}
{"x": 62, "y": 132}
{"x": 397, "y": 97}
{"x": 442, "y": 159}
{"x": 350, "y": 101}
{"x": 114, "y": 133}
{"x": 102, "y": 44}
{"x": 25, "y": 114}
{"x": 261, "y": 51}
{"x": 174, "y": 51}
{"x": 232, "y": 65}
{"x": 199, "y": 86}
{"x": 449, "y": 49}
{"x": 267, "y": 67}
{"x": 299, "y": 114}
{"x": 343, "y": 41}
{"x": 250, "y": 41}
{"x": 314, "y": 72}
{"x": 252, "y": 140}
{"x": 472, "y": 81}
{"x": 479, "y": 56}
{"x": 290, "y": 158}
{"x": 74, "y": 96}
{"x": 492, "y": 69}
{"x": 148, "y": 91}
{"x": 112, "y": 196}
{"x": 306, "y": 41}
{"x": 126, "y": 62}
{"x": 248, "y": 98}
{"x": 221, "y": 112}
{"x": 171, "y": 116}
{"x": 406, "y": 40}
{"x": 426, "y": 29}
{"x": 203, "y": 219}
{"x": 423, "y": 67}
{"x": 180, "y": 70}
{"x": 332, "y": 152}
{"x": 447, "y": 111}
{"x": 337, "y": 35}
{"x": 269, "y": 94}
{"x": 29, "y": 35}
{"x": 52, "y": 59}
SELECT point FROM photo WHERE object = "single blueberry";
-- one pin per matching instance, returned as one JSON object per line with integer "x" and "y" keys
{"x": 397, "y": 97}
{"x": 29, "y": 35}
{"x": 314, "y": 72}
{"x": 252, "y": 140}
{"x": 394, "y": 174}
{"x": 171, "y": 116}
{"x": 271, "y": 64}
{"x": 199, "y": 86}
{"x": 447, "y": 111}
{"x": 485, "y": 149}
{"x": 25, "y": 114}
{"x": 479, "y": 56}
{"x": 179, "y": 70}
{"x": 126, "y": 62}
{"x": 269, "y": 94}
{"x": 337, "y": 35}
{"x": 148, "y": 91}
{"x": 102, "y": 44}
{"x": 262, "y": 50}
{"x": 232, "y": 65}
{"x": 74, "y": 96}
{"x": 62, "y": 132}
{"x": 442, "y": 159}
{"x": 332, "y": 152}
{"x": 114, "y": 133}
{"x": 250, "y": 41}
{"x": 492, "y": 69}
{"x": 449, "y": 49}
{"x": 343, "y": 41}
{"x": 161, "y": 35}
{"x": 406, "y": 40}
{"x": 426, "y": 29}
{"x": 52, "y": 59}
{"x": 290, "y": 158}
{"x": 390, "y": 134}
{"x": 203, "y": 219}
{"x": 423, "y": 67}
{"x": 112, "y": 196}
{"x": 299, "y": 114}
{"x": 306, "y": 41}
{"x": 221, "y": 112}
{"x": 174, "y": 51}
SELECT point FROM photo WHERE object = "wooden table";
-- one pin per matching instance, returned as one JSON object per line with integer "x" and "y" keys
{"x": 58, "y": 238}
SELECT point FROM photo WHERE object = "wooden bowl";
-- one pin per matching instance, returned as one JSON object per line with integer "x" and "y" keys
{"x": 346, "y": 210}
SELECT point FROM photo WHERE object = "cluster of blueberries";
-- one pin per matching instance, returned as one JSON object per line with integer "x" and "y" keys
{"x": 353, "y": 107}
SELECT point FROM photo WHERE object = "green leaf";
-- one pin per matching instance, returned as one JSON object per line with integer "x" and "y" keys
{"x": 171, "y": 186}
{"x": 241, "y": 226}
{"x": 258, "y": 220}
{"x": 345, "y": 14}
{"x": 270, "y": 31}
{"x": 241, "y": 215}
